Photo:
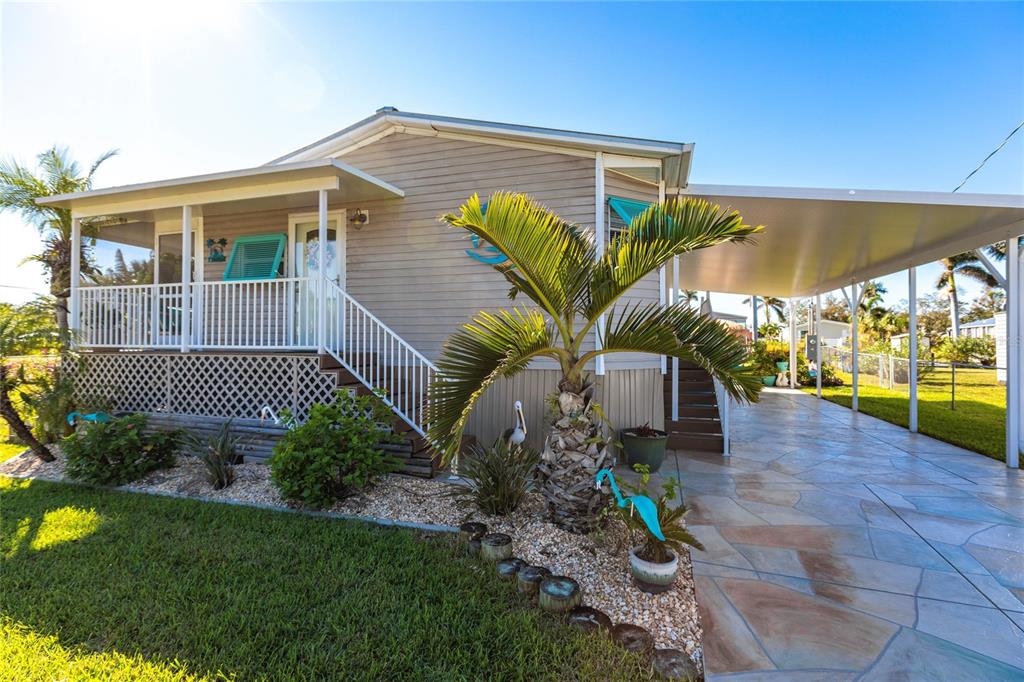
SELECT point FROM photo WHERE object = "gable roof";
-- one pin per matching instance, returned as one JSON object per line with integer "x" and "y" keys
{"x": 674, "y": 157}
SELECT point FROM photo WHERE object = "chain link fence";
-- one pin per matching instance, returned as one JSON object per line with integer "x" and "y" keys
{"x": 954, "y": 380}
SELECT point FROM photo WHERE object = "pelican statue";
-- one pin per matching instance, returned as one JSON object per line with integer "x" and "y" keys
{"x": 517, "y": 435}
{"x": 641, "y": 503}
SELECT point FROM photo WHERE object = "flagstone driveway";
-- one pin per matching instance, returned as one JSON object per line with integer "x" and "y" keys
{"x": 839, "y": 546}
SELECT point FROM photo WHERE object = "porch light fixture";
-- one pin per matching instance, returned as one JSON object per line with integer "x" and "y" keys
{"x": 360, "y": 217}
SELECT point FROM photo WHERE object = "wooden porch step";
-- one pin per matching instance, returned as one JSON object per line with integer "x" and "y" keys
{"x": 694, "y": 411}
{"x": 704, "y": 442}
{"x": 685, "y": 425}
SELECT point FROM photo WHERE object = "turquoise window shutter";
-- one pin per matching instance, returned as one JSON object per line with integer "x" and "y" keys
{"x": 627, "y": 209}
{"x": 256, "y": 257}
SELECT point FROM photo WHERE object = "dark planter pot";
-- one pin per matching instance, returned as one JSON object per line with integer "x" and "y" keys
{"x": 644, "y": 450}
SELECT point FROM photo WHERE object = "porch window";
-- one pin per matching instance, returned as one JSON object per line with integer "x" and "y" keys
{"x": 256, "y": 257}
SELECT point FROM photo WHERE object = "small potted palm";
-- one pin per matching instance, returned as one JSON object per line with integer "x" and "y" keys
{"x": 654, "y": 563}
{"x": 645, "y": 446}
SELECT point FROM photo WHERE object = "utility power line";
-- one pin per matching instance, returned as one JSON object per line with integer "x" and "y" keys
{"x": 994, "y": 151}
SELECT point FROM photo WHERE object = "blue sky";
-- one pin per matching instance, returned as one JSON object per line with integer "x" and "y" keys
{"x": 864, "y": 95}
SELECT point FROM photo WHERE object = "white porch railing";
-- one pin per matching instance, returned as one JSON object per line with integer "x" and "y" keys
{"x": 378, "y": 357}
{"x": 266, "y": 314}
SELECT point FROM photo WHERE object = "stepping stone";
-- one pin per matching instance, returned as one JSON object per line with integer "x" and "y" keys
{"x": 673, "y": 664}
{"x": 496, "y": 546}
{"x": 508, "y": 568}
{"x": 633, "y": 638}
{"x": 529, "y": 579}
{"x": 559, "y": 594}
{"x": 589, "y": 619}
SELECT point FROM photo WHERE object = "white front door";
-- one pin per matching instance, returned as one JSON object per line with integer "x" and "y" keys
{"x": 306, "y": 252}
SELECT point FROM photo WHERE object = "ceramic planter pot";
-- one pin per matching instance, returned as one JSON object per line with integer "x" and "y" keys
{"x": 649, "y": 450}
{"x": 783, "y": 366}
{"x": 768, "y": 380}
{"x": 652, "y": 577}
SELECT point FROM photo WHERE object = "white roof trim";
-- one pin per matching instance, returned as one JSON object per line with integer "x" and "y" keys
{"x": 608, "y": 143}
{"x": 261, "y": 172}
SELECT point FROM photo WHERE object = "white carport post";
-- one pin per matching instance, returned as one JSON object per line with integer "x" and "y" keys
{"x": 186, "y": 277}
{"x": 817, "y": 345}
{"x": 74, "y": 310}
{"x": 792, "y": 343}
{"x": 753, "y": 306}
{"x": 912, "y": 369}
{"x": 321, "y": 263}
{"x": 673, "y": 295}
{"x": 854, "y": 306}
{"x": 1014, "y": 351}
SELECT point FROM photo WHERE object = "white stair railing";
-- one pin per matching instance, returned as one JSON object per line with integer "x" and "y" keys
{"x": 724, "y": 401}
{"x": 378, "y": 357}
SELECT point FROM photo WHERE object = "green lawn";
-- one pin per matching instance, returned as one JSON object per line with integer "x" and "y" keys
{"x": 977, "y": 423}
{"x": 107, "y": 585}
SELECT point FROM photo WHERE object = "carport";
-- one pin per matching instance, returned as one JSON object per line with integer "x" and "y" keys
{"x": 820, "y": 240}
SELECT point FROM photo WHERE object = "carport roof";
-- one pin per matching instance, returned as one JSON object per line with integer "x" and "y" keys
{"x": 817, "y": 240}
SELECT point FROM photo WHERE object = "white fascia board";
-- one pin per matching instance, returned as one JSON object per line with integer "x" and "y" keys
{"x": 333, "y": 144}
{"x": 860, "y": 195}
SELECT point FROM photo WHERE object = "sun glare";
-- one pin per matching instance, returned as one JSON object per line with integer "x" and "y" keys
{"x": 138, "y": 19}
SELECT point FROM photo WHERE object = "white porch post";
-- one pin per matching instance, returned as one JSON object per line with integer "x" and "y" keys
{"x": 74, "y": 310}
{"x": 1014, "y": 262}
{"x": 198, "y": 321}
{"x": 599, "y": 236}
{"x": 817, "y": 346}
{"x": 673, "y": 299}
{"x": 854, "y": 306}
{"x": 792, "y": 343}
{"x": 186, "y": 277}
{"x": 661, "y": 273}
{"x": 321, "y": 262}
{"x": 912, "y": 369}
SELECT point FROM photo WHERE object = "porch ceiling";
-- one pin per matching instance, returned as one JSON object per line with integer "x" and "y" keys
{"x": 817, "y": 240}
{"x": 264, "y": 187}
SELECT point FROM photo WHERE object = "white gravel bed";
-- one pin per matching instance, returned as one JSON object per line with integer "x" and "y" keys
{"x": 599, "y": 562}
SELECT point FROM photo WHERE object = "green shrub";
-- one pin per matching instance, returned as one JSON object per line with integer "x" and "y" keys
{"x": 335, "y": 452}
{"x": 497, "y": 477}
{"x": 118, "y": 452}
{"x": 967, "y": 350}
{"x": 219, "y": 454}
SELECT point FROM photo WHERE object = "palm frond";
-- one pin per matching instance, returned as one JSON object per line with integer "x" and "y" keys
{"x": 97, "y": 163}
{"x": 672, "y": 228}
{"x": 548, "y": 258}
{"x": 681, "y": 332}
{"x": 474, "y": 357}
{"x": 978, "y": 273}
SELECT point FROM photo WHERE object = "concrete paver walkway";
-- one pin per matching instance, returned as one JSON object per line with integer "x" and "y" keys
{"x": 839, "y": 546}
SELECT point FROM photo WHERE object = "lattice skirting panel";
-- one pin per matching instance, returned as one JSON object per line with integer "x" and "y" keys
{"x": 204, "y": 384}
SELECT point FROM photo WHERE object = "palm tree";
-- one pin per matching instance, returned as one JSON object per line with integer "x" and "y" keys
{"x": 19, "y": 189}
{"x": 966, "y": 264}
{"x": 770, "y": 303}
{"x": 23, "y": 330}
{"x": 574, "y": 291}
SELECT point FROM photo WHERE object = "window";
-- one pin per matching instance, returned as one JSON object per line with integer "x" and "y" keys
{"x": 621, "y": 213}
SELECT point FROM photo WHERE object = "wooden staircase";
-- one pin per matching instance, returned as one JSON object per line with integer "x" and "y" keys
{"x": 414, "y": 451}
{"x": 699, "y": 426}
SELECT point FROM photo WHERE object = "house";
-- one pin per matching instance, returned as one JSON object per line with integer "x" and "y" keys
{"x": 976, "y": 329}
{"x": 328, "y": 267}
{"x": 264, "y": 329}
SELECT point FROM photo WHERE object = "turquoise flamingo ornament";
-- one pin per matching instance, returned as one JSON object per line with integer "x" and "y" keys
{"x": 641, "y": 503}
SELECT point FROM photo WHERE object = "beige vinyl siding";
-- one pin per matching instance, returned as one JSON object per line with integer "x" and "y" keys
{"x": 411, "y": 270}
{"x": 629, "y": 397}
{"x": 646, "y": 290}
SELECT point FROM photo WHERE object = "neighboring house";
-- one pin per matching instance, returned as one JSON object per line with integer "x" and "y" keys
{"x": 264, "y": 329}
{"x": 832, "y": 333}
{"x": 976, "y": 329}
{"x": 1000, "y": 333}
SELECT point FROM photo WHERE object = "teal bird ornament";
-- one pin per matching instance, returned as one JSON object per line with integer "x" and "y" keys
{"x": 641, "y": 503}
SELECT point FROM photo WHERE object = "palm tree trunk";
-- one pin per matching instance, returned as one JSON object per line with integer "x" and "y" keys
{"x": 575, "y": 450}
{"x": 17, "y": 424}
